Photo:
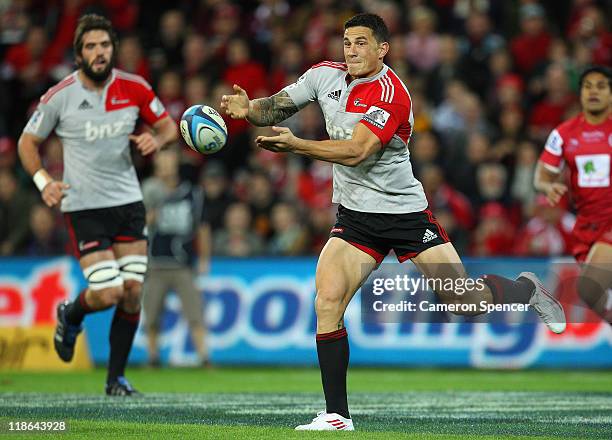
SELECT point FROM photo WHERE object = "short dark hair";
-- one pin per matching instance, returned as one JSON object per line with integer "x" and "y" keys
{"x": 596, "y": 69}
{"x": 92, "y": 22}
{"x": 372, "y": 21}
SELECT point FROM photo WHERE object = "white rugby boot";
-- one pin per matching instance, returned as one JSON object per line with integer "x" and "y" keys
{"x": 327, "y": 422}
{"x": 545, "y": 305}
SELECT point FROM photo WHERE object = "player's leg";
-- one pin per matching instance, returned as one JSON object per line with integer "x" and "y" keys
{"x": 88, "y": 231}
{"x": 105, "y": 289}
{"x": 132, "y": 260}
{"x": 193, "y": 310}
{"x": 595, "y": 280}
{"x": 156, "y": 286}
{"x": 442, "y": 261}
{"x": 341, "y": 270}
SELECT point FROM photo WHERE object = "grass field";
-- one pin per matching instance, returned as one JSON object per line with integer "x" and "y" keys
{"x": 259, "y": 403}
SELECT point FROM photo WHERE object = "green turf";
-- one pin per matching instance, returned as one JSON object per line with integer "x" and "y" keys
{"x": 251, "y": 403}
{"x": 289, "y": 380}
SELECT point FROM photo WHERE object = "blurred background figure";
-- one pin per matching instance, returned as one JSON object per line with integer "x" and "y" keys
{"x": 236, "y": 238}
{"x": 15, "y": 207}
{"x": 179, "y": 237}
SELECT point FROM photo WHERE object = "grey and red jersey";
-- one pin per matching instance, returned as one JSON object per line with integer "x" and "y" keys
{"x": 94, "y": 129}
{"x": 384, "y": 182}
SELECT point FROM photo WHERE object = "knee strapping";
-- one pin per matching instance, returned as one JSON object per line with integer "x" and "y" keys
{"x": 133, "y": 267}
{"x": 103, "y": 274}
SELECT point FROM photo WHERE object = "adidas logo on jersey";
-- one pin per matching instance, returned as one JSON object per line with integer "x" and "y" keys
{"x": 85, "y": 105}
{"x": 334, "y": 95}
{"x": 429, "y": 235}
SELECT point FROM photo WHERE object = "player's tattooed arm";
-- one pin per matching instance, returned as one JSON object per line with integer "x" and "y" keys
{"x": 272, "y": 110}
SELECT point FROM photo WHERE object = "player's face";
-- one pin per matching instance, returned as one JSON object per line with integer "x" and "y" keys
{"x": 595, "y": 94}
{"x": 96, "y": 58}
{"x": 362, "y": 53}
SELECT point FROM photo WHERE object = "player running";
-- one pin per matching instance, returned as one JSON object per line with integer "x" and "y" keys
{"x": 94, "y": 112}
{"x": 584, "y": 143}
{"x": 382, "y": 206}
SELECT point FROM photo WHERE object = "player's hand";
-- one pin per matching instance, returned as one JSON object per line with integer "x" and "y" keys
{"x": 236, "y": 106}
{"x": 554, "y": 192}
{"x": 284, "y": 142}
{"x": 53, "y": 193}
{"x": 146, "y": 143}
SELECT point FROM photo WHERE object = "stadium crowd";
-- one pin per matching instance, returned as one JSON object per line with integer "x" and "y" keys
{"x": 489, "y": 79}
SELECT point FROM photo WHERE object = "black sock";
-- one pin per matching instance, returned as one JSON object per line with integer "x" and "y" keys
{"x": 123, "y": 329}
{"x": 506, "y": 291}
{"x": 77, "y": 309}
{"x": 333, "y": 352}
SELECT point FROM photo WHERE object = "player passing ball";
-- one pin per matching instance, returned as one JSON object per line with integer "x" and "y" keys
{"x": 94, "y": 111}
{"x": 382, "y": 206}
{"x": 584, "y": 144}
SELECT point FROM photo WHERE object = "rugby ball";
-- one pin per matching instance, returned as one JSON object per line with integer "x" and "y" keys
{"x": 203, "y": 129}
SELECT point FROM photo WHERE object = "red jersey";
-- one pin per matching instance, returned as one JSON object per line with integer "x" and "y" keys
{"x": 587, "y": 150}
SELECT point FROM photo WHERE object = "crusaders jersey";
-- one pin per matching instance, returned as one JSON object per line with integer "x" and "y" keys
{"x": 94, "y": 129}
{"x": 384, "y": 182}
{"x": 587, "y": 150}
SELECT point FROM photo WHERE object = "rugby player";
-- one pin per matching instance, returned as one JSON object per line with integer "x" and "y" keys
{"x": 382, "y": 206}
{"x": 584, "y": 143}
{"x": 94, "y": 112}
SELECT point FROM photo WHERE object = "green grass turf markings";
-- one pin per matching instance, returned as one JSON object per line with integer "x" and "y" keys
{"x": 289, "y": 380}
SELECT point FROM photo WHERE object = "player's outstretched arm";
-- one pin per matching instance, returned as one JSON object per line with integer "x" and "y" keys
{"x": 546, "y": 181}
{"x": 51, "y": 191}
{"x": 348, "y": 152}
{"x": 262, "y": 111}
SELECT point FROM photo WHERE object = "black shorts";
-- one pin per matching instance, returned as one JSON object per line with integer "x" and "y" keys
{"x": 377, "y": 233}
{"x": 93, "y": 230}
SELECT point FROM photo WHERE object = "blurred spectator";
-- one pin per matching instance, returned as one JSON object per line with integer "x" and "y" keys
{"x": 45, "y": 238}
{"x": 170, "y": 94}
{"x": 8, "y": 154}
{"x": 236, "y": 239}
{"x": 288, "y": 62}
{"x": 167, "y": 49}
{"x": 522, "y": 188}
{"x": 440, "y": 195}
{"x": 29, "y": 61}
{"x": 424, "y": 150}
{"x": 548, "y": 233}
{"x": 196, "y": 90}
{"x": 289, "y": 236}
{"x": 261, "y": 199}
{"x": 592, "y": 31}
{"x": 477, "y": 46}
{"x": 130, "y": 57}
{"x": 320, "y": 221}
{"x": 216, "y": 193}
{"x": 552, "y": 109}
{"x": 531, "y": 45}
{"x": 492, "y": 184}
{"x": 197, "y": 56}
{"x": 495, "y": 234}
{"x": 243, "y": 70}
{"x": 464, "y": 170}
{"x": 445, "y": 71}
{"x": 422, "y": 47}
{"x": 15, "y": 206}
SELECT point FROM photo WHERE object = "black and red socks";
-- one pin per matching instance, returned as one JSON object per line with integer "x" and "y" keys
{"x": 333, "y": 353}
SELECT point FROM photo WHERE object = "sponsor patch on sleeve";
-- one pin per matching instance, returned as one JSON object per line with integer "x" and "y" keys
{"x": 554, "y": 143}
{"x": 157, "y": 107}
{"x": 35, "y": 121}
{"x": 377, "y": 116}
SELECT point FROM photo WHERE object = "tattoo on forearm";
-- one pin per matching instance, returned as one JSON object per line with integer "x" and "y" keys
{"x": 272, "y": 110}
